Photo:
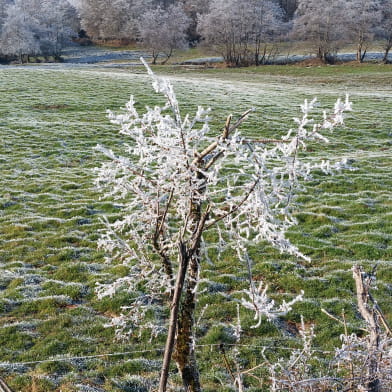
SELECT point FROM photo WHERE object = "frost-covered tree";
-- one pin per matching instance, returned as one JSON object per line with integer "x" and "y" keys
{"x": 33, "y": 27}
{"x": 18, "y": 34}
{"x": 120, "y": 21}
{"x": 108, "y": 20}
{"x": 163, "y": 30}
{"x": 3, "y": 14}
{"x": 326, "y": 25}
{"x": 266, "y": 27}
{"x": 289, "y": 7}
{"x": 58, "y": 21}
{"x": 193, "y": 8}
{"x": 93, "y": 13}
{"x": 361, "y": 18}
{"x": 179, "y": 182}
{"x": 116, "y": 21}
{"x": 3, "y": 11}
{"x": 321, "y": 24}
{"x": 384, "y": 30}
{"x": 240, "y": 31}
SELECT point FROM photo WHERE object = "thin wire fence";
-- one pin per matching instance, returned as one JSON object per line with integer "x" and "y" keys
{"x": 220, "y": 376}
{"x": 154, "y": 350}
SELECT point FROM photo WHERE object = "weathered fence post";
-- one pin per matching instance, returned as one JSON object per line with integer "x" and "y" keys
{"x": 369, "y": 314}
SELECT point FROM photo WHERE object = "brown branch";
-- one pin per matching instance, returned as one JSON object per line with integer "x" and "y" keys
{"x": 183, "y": 262}
{"x": 235, "y": 208}
{"x": 4, "y": 387}
{"x": 184, "y": 146}
{"x": 213, "y": 160}
{"x": 240, "y": 120}
{"x": 381, "y": 315}
{"x": 363, "y": 297}
{"x": 332, "y": 316}
{"x": 185, "y": 225}
{"x": 377, "y": 308}
{"x": 225, "y": 134}
{"x": 206, "y": 151}
{"x": 159, "y": 231}
{"x": 226, "y": 130}
{"x": 227, "y": 364}
{"x": 199, "y": 231}
{"x": 162, "y": 220}
{"x": 252, "y": 369}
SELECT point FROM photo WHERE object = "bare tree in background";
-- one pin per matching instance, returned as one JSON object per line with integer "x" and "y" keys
{"x": 120, "y": 19}
{"x": 18, "y": 36}
{"x": 321, "y": 24}
{"x": 3, "y": 11}
{"x": 34, "y": 27}
{"x": 117, "y": 21}
{"x": 241, "y": 31}
{"x": 161, "y": 31}
{"x": 92, "y": 13}
{"x": 384, "y": 29}
{"x": 193, "y": 8}
{"x": 362, "y": 17}
{"x": 266, "y": 28}
{"x": 58, "y": 22}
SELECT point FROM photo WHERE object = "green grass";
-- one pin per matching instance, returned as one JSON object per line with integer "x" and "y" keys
{"x": 50, "y": 120}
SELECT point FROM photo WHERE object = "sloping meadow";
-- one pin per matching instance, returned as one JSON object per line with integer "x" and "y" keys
{"x": 52, "y": 330}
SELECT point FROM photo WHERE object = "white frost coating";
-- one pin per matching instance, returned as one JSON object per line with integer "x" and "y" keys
{"x": 248, "y": 188}
{"x": 263, "y": 306}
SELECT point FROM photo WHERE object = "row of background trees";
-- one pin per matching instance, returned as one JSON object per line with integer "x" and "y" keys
{"x": 244, "y": 33}
{"x": 36, "y": 27}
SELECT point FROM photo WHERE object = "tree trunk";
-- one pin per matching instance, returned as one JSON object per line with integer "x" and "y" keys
{"x": 359, "y": 54}
{"x": 182, "y": 314}
{"x": 168, "y": 55}
{"x": 174, "y": 310}
{"x": 184, "y": 350}
{"x": 385, "y": 58}
{"x": 363, "y": 55}
{"x": 370, "y": 317}
{"x": 388, "y": 47}
{"x": 361, "y": 51}
{"x": 154, "y": 57}
{"x": 322, "y": 55}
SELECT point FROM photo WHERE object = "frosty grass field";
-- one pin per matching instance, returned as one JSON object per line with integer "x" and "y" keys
{"x": 52, "y": 117}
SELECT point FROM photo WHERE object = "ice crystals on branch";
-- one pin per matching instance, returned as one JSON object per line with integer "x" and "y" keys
{"x": 179, "y": 179}
{"x": 297, "y": 373}
{"x": 263, "y": 306}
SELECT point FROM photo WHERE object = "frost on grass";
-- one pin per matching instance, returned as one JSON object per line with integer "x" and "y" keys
{"x": 244, "y": 191}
